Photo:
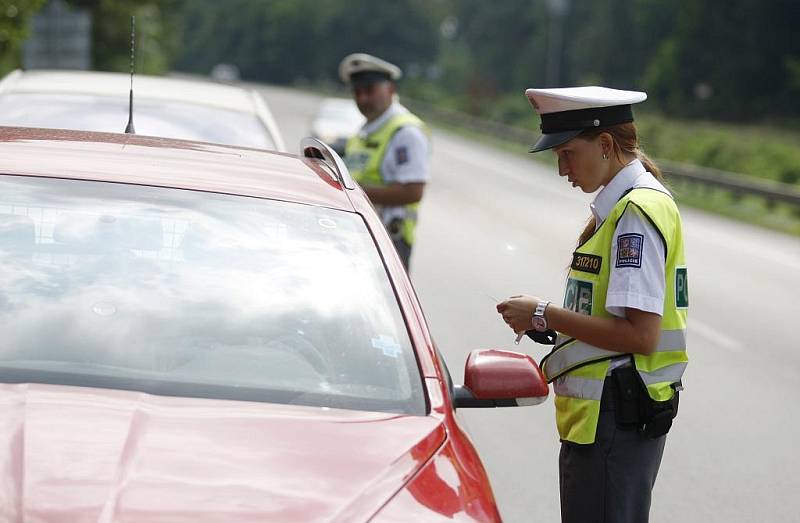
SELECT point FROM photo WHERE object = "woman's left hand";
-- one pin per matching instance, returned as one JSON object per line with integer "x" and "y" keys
{"x": 517, "y": 312}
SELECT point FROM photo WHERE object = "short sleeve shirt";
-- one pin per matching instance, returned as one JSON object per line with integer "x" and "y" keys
{"x": 638, "y": 254}
{"x": 406, "y": 159}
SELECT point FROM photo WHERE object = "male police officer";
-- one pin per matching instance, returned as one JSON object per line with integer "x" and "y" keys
{"x": 389, "y": 155}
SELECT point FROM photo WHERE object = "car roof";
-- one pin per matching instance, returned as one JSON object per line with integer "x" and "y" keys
{"x": 164, "y": 162}
{"x": 190, "y": 90}
{"x": 118, "y": 84}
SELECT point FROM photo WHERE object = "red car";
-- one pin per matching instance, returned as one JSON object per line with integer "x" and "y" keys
{"x": 195, "y": 332}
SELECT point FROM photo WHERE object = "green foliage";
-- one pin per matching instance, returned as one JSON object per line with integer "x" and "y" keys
{"x": 287, "y": 41}
{"x": 15, "y": 18}
{"x": 748, "y": 209}
{"x": 734, "y": 60}
{"x": 111, "y": 33}
{"x": 505, "y": 41}
{"x": 758, "y": 151}
{"x": 742, "y": 53}
{"x": 731, "y": 60}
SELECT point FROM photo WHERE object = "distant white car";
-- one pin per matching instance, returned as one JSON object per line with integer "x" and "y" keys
{"x": 337, "y": 120}
{"x": 226, "y": 73}
{"x": 168, "y": 107}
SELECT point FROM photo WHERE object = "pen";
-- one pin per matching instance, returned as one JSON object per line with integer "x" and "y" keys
{"x": 519, "y": 335}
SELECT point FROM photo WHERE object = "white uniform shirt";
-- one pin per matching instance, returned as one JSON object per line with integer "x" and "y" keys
{"x": 406, "y": 158}
{"x": 637, "y": 281}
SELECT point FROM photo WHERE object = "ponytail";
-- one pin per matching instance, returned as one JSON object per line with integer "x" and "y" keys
{"x": 650, "y": 165}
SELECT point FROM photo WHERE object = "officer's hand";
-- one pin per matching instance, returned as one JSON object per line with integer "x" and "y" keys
{"x": 517, "y": 311}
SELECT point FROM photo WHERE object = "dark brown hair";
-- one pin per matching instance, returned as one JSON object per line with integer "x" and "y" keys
{"x": 626, "y": 141}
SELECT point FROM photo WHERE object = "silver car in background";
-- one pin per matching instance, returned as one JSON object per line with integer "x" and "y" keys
{"x": 163, "y": 106}
{"x": 337, "y": 120}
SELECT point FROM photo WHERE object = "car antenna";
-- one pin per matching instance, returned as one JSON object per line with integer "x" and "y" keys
{"x": 129, "y": 128}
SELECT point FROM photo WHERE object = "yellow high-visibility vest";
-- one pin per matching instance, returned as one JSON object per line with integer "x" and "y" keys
{"x": 364, "y": 156}
{"x": 577, "y": 369}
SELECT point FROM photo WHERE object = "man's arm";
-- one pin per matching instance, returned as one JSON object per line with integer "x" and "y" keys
{"x": 395, "y": 193}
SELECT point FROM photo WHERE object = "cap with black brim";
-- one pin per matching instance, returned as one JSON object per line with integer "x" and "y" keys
{"x": 365, "y": 69}
{"x": 548, "y": 141}
{"x": 560, "y": 127}
{"x": 568, "y": 111}
{"x": 366, "y": 78}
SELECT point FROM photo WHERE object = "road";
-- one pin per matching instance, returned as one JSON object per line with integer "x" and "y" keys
{"x": 495, "y": 223}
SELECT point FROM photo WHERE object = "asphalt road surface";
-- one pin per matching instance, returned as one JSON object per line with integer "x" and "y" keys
{"x": 494, "y": 223}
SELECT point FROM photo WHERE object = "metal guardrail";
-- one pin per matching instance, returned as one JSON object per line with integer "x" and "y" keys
{"x": 738, "y": 184}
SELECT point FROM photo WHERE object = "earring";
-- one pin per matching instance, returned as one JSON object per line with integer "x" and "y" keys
{"x": 605, "y": 156}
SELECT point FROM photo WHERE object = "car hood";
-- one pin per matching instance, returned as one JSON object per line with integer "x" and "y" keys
{"x": 72, "y": 454}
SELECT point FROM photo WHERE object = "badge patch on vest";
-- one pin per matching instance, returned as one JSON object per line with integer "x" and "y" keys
{"x": 401, "y": 155}
{"x": 578, "y": 297}
{"x": 587, "y": 262}
{"x": 629, "y": 250}
{"x": 681, "y": 288}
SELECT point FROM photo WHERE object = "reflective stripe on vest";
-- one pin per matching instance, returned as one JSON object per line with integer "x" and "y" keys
{"x": 670, "y": 374}
{"x": 578, "y": 370}
{"x": 592, "y": 389}
{"x": 580, "y": 388}
{"x": 574, "y": 353}
{"x": 364, "y": 158}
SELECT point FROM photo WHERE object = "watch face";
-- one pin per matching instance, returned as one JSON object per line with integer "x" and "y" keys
{"x": 539, "y": 323}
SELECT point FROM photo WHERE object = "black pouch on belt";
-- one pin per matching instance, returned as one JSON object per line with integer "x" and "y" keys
{"x": 658, "y": 415}
{"x": 634, "y": 407}
{"x": 395, "y": 228}
{"x": 627, "y": 391}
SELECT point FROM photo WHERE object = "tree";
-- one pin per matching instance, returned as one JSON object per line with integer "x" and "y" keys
{"x": 111, "y": 35}
{"x": 725, "y": 59}
{"x": 279, "y": 41}
{"x": 729, "y": 60}
{"x": 15, "y": 16}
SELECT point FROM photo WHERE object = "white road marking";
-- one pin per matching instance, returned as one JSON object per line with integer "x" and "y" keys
{"x": 713, "y": 335}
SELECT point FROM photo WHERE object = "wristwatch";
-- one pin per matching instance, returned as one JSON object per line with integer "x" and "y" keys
{"x": 538, "y": 321}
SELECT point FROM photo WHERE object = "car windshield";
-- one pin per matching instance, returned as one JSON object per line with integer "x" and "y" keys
{"x": 169, "y": 119}
{"x": 193, "y": 294}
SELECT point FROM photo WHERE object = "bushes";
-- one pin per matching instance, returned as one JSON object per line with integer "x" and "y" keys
{"x": 761, "y": 151}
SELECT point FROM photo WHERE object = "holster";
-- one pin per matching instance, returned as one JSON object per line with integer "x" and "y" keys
{"x": 635, "y": 409}
{"x": 395, "y": 228}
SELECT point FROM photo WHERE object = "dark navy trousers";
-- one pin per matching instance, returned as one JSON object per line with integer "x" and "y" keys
{"x": 611, "y": 480}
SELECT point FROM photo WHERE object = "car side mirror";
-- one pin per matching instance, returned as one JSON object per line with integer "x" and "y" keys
{"x": 500, "y": 378}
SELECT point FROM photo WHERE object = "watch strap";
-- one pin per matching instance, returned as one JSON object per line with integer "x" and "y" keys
{"x": 540, "y": 308}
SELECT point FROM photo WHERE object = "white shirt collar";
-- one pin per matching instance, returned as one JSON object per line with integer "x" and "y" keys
{"x": 610, "y": 194}
{"x": 377, "y": 123}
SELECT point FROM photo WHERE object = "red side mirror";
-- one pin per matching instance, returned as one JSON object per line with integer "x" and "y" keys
{"x": 499, "y": 378}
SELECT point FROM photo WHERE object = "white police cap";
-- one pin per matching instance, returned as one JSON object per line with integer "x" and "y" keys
{"x": 567, "y": 111}
{"x": 363, "y": 67}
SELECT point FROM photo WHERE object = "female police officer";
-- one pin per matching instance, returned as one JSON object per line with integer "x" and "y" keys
{"x": 620, "y": 351}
